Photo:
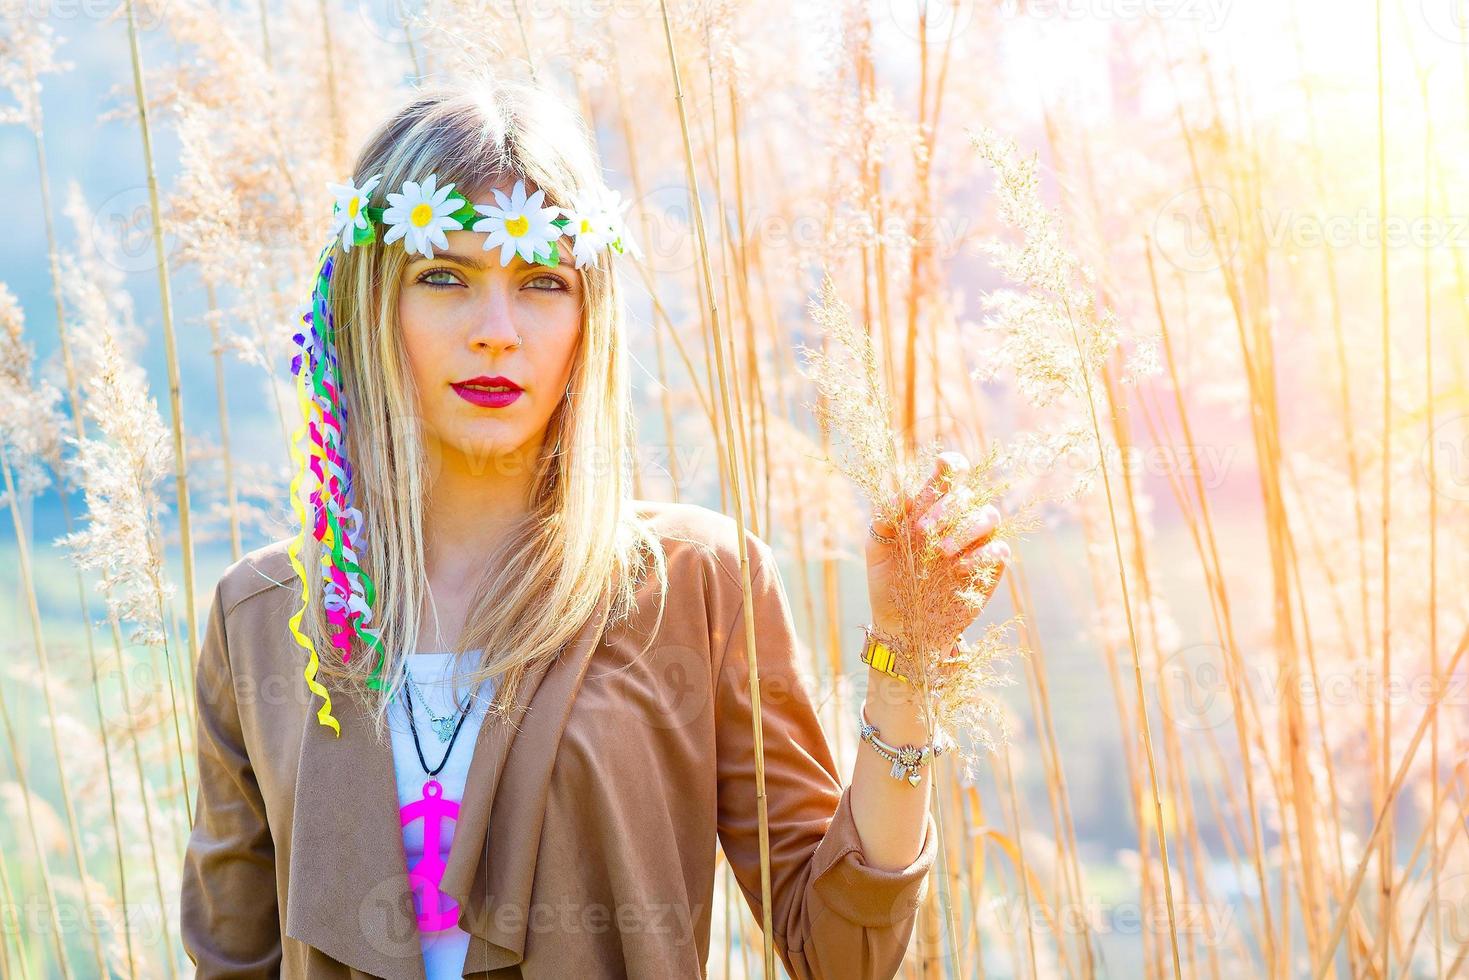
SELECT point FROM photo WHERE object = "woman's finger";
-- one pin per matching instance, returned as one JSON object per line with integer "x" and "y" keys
{"x": 973, "y": 532}
{"x": 992, "y": 552}
{"x": 928, "y": 499}
{"x": 884, "y": 527}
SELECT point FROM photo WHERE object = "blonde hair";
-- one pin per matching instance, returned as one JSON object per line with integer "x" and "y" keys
{"x": 582, "y": 539}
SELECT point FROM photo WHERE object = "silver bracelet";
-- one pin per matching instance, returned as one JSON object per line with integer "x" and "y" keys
{"x": 905, "y": 759}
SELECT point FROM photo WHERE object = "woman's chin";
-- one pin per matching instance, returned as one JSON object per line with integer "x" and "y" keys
{"x": 493, "y": 450}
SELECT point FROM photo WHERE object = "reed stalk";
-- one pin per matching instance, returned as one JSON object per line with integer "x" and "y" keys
{"x": 1323, "y": 965}
{"x": 730, "y": 420}
{"x": 1022, "y": 869}
{"x": 1431, "y": 462}
{"x": 1233, "y": 666}
{"x": 17, "y": 762}
{"x": 53, "y": 263}
{"x": 122, "y": 880}
{"x": 1385, "y": 853}
{"x": 95, "y": 674}
{"x": 1345, "y": 396}
{"x": 231, "y": 492}
{"x": 11, "y": 928}
{"x": 63, "y": 782}
{"x": 732, "y": 359}
{"x": 129, "y": 712}
{"x": 1056, "y": 784}
{"x": 665, "y": 400}
{"x": 175, "y": 400}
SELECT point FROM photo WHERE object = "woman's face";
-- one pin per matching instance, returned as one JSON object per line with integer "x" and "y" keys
{"x": 470, "y": 324}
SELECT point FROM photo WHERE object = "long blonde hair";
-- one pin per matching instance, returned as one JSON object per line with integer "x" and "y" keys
{"x": 582, "y": 540}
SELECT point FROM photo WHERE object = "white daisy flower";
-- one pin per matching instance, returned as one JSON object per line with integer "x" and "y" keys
{"x": 518, "y": 224}
{"x": 596, "y": 222}
{"x": 349, "y": 209}
{"x": 420, "y": 216}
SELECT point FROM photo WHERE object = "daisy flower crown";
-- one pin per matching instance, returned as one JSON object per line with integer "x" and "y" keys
{"x": 322, "y": 497}
{"x": 419, "y": 214}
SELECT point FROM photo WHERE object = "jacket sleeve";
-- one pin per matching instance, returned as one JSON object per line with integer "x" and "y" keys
{"x": 834, "y": 915}
{"x": 230, "y": 919}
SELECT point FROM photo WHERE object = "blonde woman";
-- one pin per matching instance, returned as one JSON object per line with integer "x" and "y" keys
{"x": 525, "y": 723}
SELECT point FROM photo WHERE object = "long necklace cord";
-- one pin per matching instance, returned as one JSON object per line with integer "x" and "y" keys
{"x": 413, "y": 726}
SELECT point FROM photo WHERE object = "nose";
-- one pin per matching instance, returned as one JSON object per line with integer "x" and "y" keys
{"x": 493, "y": 327}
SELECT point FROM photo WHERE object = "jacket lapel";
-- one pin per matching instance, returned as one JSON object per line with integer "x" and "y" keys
{"x": 349, "y": 894}
{"x": 492, "y": 861}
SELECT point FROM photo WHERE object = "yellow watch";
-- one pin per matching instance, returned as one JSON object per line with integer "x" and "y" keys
{"x": 880, "y": 656}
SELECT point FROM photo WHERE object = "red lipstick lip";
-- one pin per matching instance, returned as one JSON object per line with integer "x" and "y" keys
{"x": 487, "y": 399}
{"x": 497, "y": 380}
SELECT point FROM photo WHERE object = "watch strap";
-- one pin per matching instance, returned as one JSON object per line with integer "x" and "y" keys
{"x": 879, "y": 655}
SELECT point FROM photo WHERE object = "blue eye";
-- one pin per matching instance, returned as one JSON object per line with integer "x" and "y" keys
{"x": 439, "y": 285}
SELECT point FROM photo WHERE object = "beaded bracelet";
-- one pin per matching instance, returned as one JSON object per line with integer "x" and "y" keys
{"x": 905, "y": 759}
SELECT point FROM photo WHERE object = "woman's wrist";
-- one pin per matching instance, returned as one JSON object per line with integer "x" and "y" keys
{"x": 895, "y": 707}
{"x": 895, "y": 704}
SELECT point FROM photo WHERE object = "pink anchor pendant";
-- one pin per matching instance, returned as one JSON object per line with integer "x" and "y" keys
{"x": 436, "y": 910}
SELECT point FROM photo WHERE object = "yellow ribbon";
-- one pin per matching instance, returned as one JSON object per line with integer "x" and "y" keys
{"x": 310, "y": 411}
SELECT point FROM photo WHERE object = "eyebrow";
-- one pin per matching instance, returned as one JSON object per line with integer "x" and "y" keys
{"x": 474, "y": 262}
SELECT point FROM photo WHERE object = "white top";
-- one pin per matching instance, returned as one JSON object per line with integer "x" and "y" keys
{"x": 443, "y": 949}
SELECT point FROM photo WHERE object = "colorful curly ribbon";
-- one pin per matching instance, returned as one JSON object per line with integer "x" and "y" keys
{"x": 348, "y": 593}
{"x": 313, "y": 664}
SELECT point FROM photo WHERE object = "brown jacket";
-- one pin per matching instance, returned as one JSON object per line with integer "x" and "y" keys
{"x": 588, "y": 851}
